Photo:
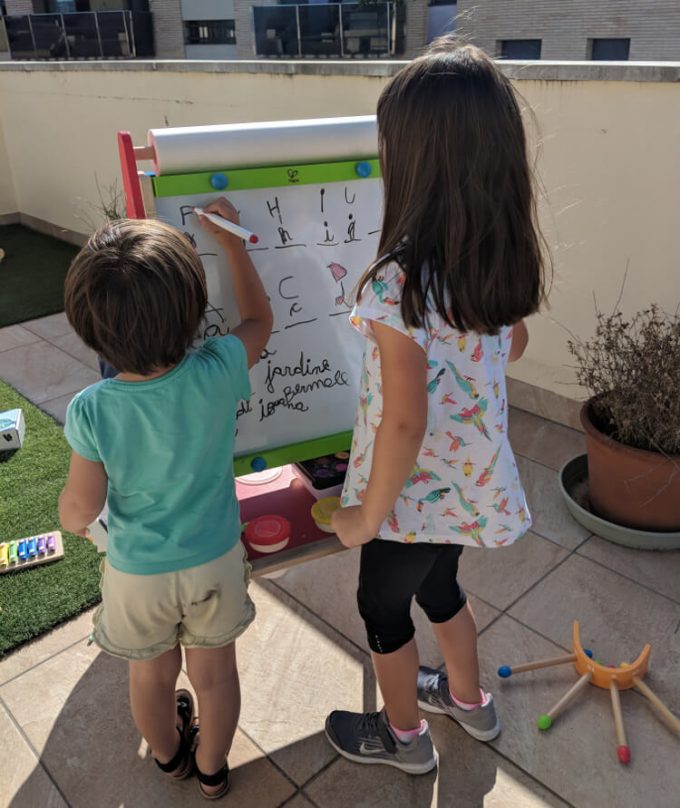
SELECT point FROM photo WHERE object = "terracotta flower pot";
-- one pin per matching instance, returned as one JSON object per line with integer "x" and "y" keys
{"x": 629, "y": 486}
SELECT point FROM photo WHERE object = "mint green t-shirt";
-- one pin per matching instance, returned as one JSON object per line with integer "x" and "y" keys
{"x": 167, "y": 446}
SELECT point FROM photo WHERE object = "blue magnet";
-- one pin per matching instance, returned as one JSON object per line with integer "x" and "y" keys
{"x": 364, "y": 169}
{"x": 219, "y": 181}
{"x": 258, "y": 464}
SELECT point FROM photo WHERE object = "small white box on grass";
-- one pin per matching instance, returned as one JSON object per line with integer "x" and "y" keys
{"x": 12, "y": 430}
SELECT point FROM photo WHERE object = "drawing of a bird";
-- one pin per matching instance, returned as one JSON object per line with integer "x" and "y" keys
{"x": 380, "y": 289}
{"x": 359, "y": 459}
{"x": 502, "y": 507}
{"x": 421, "y": 475}
{"x": 473, "y": 529}
{"x": 409, "y": 538}
{"x": 474, "y": 415}
{"x": 468, "y": 467}
{"x": 446, "y": 399}
{"x": 434, "y": 496}
{"x": 467, "y": 504}
{"x": 464, "y": 382}
{"x": 486, "y": 475}
{"x": 456, "y": 442}
{"x": 478, "y": 352}
{"x": 434, "y": 384}
{"x": 461, "y": 343}
{"x": 365, "y": 402}
{"x": 393, "y": 522}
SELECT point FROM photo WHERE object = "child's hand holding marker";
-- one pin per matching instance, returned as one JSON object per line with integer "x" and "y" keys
{"x": 221, "y": 218}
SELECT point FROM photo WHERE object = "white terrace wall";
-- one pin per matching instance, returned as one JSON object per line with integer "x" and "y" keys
{"x": 609, "y": 159}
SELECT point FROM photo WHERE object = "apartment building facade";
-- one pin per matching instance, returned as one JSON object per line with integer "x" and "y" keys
{"x": 617, "y": 30}
{"x": 224, "y": 29}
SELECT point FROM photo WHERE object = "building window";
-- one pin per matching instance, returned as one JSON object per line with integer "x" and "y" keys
{"x": 209, "y": 32}
{"x": 609, "y": 50}
{"x": 518, "y": 49}
{"x": 320, "y": 29}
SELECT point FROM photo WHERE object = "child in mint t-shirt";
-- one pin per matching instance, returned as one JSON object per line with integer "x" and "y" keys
{"x": 157, "y": 442}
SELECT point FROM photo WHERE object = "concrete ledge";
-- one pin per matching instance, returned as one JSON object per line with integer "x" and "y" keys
{"x": 666, "y": 72}
{"x": 539, "y": 401}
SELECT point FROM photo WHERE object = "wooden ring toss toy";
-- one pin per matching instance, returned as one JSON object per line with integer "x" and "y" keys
{"x": 624, "y": 677}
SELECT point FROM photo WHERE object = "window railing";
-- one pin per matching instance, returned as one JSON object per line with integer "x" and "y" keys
{"x": 331, "y": 30}
{"x": 80, "y": 35}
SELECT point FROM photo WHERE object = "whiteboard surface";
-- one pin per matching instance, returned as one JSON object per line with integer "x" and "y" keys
{"x": 315, "y": 243}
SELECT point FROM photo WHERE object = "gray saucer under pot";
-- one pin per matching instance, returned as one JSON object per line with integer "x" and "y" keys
{"x": 574, "y": 486}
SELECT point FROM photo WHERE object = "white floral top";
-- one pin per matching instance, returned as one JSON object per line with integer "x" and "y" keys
{"x": 465, "y": 487}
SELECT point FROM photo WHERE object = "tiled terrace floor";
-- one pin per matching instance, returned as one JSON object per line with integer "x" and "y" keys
{"x": 63, "y": 705}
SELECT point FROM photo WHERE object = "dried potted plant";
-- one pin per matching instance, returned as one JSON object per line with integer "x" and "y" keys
{"x": 632, "y": 421}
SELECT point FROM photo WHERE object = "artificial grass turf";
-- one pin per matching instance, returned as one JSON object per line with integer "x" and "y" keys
{"x": 31, "y": 274}
{"x": 36, "y": 599}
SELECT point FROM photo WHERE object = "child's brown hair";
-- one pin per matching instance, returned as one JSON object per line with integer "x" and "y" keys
{"x": 459, "y": 212}
{"x": 136, "y": 294}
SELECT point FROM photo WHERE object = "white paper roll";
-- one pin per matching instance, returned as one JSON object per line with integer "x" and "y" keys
{"x": 202, "y": 148}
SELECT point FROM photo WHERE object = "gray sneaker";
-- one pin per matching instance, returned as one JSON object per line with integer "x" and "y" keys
{"x": 434, "y": 697}
{"x": 367, "y": 738}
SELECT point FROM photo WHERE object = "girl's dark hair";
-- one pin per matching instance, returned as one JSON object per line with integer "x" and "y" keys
{"x": 459, "y": 212}
{"x": 136, "y": 294}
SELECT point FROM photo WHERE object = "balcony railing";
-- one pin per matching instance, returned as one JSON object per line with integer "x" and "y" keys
{"x": 80, "y": 35}
{"x": 331, "y": 30}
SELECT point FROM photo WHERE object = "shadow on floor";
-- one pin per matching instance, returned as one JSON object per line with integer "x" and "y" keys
{"x": 95, "y": 755}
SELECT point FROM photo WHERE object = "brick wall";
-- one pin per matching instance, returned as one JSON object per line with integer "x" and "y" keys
{"x": 19, "y": 6}
{"x": 565, "y": 26}
{"x": 168, "y": 30}
{"x": 416, "y": 27}
{"x": 243, "y": 21}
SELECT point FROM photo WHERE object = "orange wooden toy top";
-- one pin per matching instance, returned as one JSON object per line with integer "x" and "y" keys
{"x": 602, "y": 676}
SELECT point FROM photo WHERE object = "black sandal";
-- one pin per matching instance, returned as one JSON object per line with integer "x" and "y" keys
{"x": 182, "y": 764}
{"x": 220, "y": 778}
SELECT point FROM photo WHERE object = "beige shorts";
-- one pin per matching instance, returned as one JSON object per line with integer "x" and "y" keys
{"x": 143, "y": 616}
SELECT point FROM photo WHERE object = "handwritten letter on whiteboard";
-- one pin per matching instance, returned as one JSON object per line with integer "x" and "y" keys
{"x": 315, "y": 243}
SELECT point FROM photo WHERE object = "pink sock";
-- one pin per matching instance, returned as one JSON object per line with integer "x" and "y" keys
{"x": 406, "y": 735}
{"x": 466, "y": 705}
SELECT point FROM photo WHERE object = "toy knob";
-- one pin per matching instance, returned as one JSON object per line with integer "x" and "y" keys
{"x": 363, "y": 169}
{"x": 258, "y": 464}
{"x": 623, "y": 753}
{"x": 505, "y": 671}
{"x": 219, "y": 181}
{"x": 544, "y": 722}
{"x": 588, "y": 653}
